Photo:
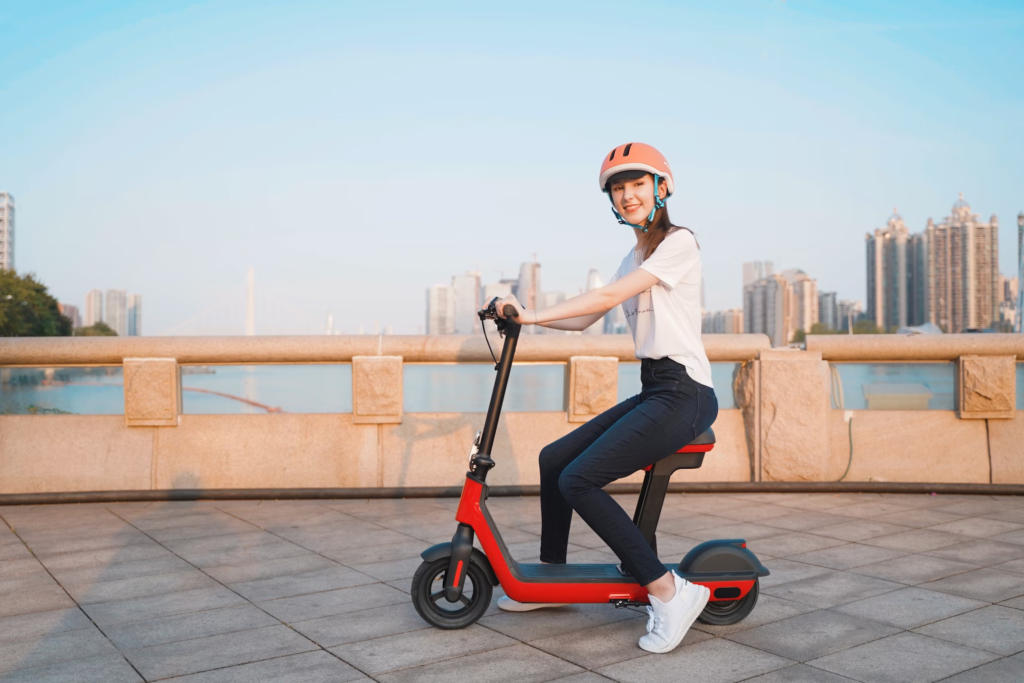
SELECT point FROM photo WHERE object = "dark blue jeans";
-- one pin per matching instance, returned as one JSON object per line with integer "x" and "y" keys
{"x": 670, "y": 412}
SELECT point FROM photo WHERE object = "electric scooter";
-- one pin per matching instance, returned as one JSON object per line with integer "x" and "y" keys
{"x": 453, "y": 586}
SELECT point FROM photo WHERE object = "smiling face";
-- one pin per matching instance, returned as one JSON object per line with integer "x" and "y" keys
{"x": 634, "y": 198}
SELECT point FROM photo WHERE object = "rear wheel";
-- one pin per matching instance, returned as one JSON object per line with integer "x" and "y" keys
{"x": 431, "y": 604}
{"x": 723, "y": 612}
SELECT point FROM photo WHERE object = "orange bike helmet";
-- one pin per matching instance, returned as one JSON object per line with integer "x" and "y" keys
{"x": 641, "y": 159}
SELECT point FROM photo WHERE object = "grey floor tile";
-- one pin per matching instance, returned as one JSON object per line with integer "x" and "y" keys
{"x": 137, "y": 609}
{"x": 351, "y": 627}
{"x": 686, "y": 524}
{"x": 139, "y": 586}
{"x": 910, "y": 607}
{"x": 14, "y": 551}
{"x": 982, "y": 551}
{"x": 417, "y": 648}
{"x": 244, "y": 554}
{"x": 20, "y": 567}
{"x": 816, "y": 634}
{"x": 979, "y": 506}
{"x": 988, "y": 585}
{"x": 268, "y": 569}
{"x": 39, "y": 624}
{"x": 216, "y": 652}
{"x": 104, "y": 557}
{"x": 918, "y": 518}
{"x": 847, "y": 556}
{"x": 756, "y": 513}
{"x": 111, "y": 668}
{"x": 903, "y": 658}
{"x": 35, "y": 601}
{"x": 96, "y": 573}
{"x": 744, "y": 530}
{"x": 1010, "y": 537}
{"x": 806, "y": 520}
{"x": 36, "y": 581}
{"x": 978, "y": 527}
{"x": 522, "y": 663}
{"x": 316, "y": 605}
{"x": 914, "y": 569}
{"x": 188, "y": 626}
{"x": 584, "y": 677}
{"x": 831, "y": 589}
{"x": 792, "y": 544}
{"x": 1007, "y": 670}
{"x": 548, "y": 623}
{"x": 710, "y": 661}
{"x": 327, "y": 579}
{"x": 785, "y": 571}
{"x": 607, "y": 644}
{"x": 391, "y": 569}
{"x": 383, "y": 553}
{"x": 49, "y": 549}
{"x": 916, "y": 540}
{"x": 800, "y": 673}
{"x": 994, "y": 628}
{"x": 769, "y": 609}
{"x": 868, "y": 509}
{"x": 309, "y": 667}
{"x": 854, "y": 530}
{"x": 58, "y": 647}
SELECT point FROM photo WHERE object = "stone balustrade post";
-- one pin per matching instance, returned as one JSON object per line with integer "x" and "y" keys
{"x": 152, "y": 395}
{"x": 794, "y": 415}
{"x": 377, "y": 389}
{"x": 593, "y": 386}
{"x": 986, "y": 387}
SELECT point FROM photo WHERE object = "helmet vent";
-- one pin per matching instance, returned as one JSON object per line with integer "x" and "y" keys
{"x": 625, "y": 152}
{"x": 612, "y": 156}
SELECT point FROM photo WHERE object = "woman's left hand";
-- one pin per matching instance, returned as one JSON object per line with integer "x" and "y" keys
{"x": 510, "y": 300}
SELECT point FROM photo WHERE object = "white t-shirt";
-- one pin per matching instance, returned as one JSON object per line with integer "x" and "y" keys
{"x": 665, "y": 320}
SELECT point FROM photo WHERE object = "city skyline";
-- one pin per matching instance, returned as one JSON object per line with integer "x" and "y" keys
{"x": 788, "y": 128}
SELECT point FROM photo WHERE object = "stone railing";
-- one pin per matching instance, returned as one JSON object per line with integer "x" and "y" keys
{"x": 784, "y": 428}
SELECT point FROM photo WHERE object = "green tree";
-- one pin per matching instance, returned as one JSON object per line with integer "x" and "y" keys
{"x": 97, "y": 330}
{"x": 821, "y": 328}
{"x": 799, "y": 337}
{"x": 27, "y": 309}
{"x": 866, "y": 327}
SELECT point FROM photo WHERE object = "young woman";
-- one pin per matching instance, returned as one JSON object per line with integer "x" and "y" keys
{"x": 658, "y": 285}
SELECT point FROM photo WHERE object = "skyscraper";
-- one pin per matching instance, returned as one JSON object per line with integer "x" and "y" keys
{"x": 134, "y": 315}
{"x": 6, "y": 231}
{"x": 71, "y": 312}
{"x": 528, "y": 289}
{"x": 756, "y": 270}
{"x": 963, "y": 270}
{"x": 767, "y": 308}
{"x": 849, "y": 313}
{"x": 440, "y": 310}
{"x": 1020, "y": 271}
{"x": 115, "y": 313}
{"x": 803, "y": 295}
{"x": 466, "y": 292}
{"x": 729, "y": 321}
{"x": 894, "y": 264}
{"x": 828, "y": 310}
{"x": 93, "y": 307}
{"x": 498, "y": 289}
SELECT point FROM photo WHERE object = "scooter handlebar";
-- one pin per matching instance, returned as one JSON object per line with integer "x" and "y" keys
{"x": 510, "y": 311}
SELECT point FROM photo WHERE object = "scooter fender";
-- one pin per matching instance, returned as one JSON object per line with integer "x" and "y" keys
{"x": 720, "y": 556}
{"x": 442, "y": 550}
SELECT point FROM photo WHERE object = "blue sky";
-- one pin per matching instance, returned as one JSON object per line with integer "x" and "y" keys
{"x": 356, "y": 153}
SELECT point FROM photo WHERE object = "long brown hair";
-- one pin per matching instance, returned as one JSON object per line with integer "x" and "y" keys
{"x": 658, "y": 229}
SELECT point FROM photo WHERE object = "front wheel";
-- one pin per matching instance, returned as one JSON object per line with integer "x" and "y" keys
{"x": 431, "y": 604}
{"x": 723, "y": 612}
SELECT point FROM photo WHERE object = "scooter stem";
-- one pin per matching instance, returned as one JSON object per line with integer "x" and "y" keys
{"x": 482, "y": 461}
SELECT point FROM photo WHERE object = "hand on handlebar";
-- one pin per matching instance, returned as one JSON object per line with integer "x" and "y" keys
{"x": 501, "y": 306}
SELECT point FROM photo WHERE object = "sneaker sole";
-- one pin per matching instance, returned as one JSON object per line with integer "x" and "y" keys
{"x": 687, "y": 622}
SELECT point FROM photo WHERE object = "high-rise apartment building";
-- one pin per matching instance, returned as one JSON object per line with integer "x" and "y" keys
{"x": 756, "y": 270}
{"x": 440, "y": 310}
{"x": 963, "y": 270}
{"x": 528, "y": 289}
{"x": 849, "y": 313}
{"x": 466, "y": 291}
{"x": 93, "y": 308}
{"x": 803, "y": 293}
{"x": 6, "y": 231}
{"x": 723, "y": 322}
{"x": 72, "y": 313}
{"x": 896, "y": 275}
{"x": 498, "y": 289}
{"x": 115, "y": 311}
{"x": 134, "y": 315}
{"x": 828, "y": 310}
{"x": 593, "y": 282}
{"x": 1019, "y": 327}
{"x": 767, "y": 308}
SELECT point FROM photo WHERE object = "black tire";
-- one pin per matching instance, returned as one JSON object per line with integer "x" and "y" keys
{"x": 724, "y": 612}
{"x": 435, "y": 608}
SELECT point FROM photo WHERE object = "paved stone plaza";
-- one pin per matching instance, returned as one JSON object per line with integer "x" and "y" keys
{"x": 894, "y": 588}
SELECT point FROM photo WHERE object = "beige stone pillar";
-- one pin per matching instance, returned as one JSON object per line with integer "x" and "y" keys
{"x": 793, "y": 416}
{"x": 152, "y": 397}
{"x": 986, "y": 387}
{"x": 593, "y": 386}
{"x": 377, "y": 389}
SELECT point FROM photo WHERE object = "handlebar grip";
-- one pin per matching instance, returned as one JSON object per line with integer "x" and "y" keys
{"x": 510, "y": 311}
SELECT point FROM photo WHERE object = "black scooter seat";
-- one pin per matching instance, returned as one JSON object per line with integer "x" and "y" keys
{"x": 707, "y": 437}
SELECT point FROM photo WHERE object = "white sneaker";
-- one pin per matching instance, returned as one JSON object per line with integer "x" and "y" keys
{"x": 669, "y": 621}
{"x": 509, "y": 605}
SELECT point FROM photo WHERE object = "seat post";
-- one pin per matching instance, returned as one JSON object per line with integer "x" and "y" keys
{"x": 649, "y": 504}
